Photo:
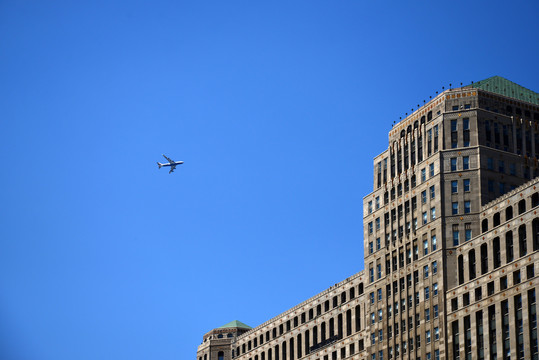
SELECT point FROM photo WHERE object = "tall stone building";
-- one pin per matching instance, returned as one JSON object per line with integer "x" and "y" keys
{"x": 451, "y": 237}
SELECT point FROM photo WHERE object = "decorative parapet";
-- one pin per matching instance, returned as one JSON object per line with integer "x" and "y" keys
{"x": 310, "y": 300}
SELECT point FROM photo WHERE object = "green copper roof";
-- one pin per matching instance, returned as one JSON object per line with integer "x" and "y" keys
{"x": 235, "y": 324}
{"x": 502, "y": 86}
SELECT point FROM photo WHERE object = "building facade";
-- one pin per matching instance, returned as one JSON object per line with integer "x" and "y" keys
{"x": 451, "y": 243}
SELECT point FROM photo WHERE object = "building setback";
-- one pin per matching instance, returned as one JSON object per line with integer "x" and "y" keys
{"x": 451, "y": 240}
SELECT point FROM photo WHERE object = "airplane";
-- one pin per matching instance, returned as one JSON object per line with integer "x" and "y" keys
{"x": 171, "y": 163}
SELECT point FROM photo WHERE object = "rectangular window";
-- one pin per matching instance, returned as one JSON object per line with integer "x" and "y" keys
{"x": 454, "y": 208}
{"x": 467, "y": 207}
{"x": 466, "y": 183}
{"x": 424, "y": 197}
{"x": 454, "y": 134}
{"x": 453, "y": 164}
{"x": 455, "y": 235}
{"x": 434, "y": 267}
{"x": 424, "y": 217}
{"x": 433, "y": 213}
{"x": 425, "y": 247}
{"x": 454, "y": 186}
{"x": 423, "y": 175}
{"x": 435, "y": 289}
{"x": 431, "y": 168}
{"x": 432, "y": 192}
{"x": 490, "y": 185}
{"x": 425, "y": 272}
{"x": 465, "y": 163}
{"x": 466, "y": 131}
{"x": 427, "y": 293}
{"x": 433, "y": 242}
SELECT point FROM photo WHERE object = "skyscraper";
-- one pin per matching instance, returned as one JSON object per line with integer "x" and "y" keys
{"x": 451, "y": 240}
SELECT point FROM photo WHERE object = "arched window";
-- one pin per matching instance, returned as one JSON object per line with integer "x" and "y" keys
{"x": 339, "y": 326}
{"x": 509, "y": 246}
{"x": 496, "y": 252}
{"x": 315, "y": 335}
{"x": 522, "y": 246}
{"x": 416, "y": 124}
{"x": 484, "y": 225}
{"x": 508, "y": 213}
{"x": 220, "y": 336}
{"x": 461, "y": 269}
{"x": 276, "y": 352}
{"x": 496, "y": 220}
{"x": 403, "y": 133}
{"x": 270, "y": 354}
{"x": 205, "y": 356}
{"x": 535, "y": 234}
{"x": 484, "y": 259}
{"x": 535, "y": 199}
{"x": 360, "y": 289}
{"x": 331, "y": 327}
{"x": 429, "y": 116}
{"x": 471, "y": 264}
{"x": 349, "y": 323}
{"x": 323, "y": 332}
{"x": 352, "y": 293}
{"x": 343, "y": 297}
{"x": 307, "y": 345}
{"x": 409, "y": 129}
{"x": 283, "y": 350}
{"x": 358, "y": 319}
{"x": 521, "y": 206}
{"x": 291, "y": 348}
{"x": 300, "y": 353}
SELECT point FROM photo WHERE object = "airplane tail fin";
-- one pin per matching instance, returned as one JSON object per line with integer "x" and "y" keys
{"x": 159, "y": 164}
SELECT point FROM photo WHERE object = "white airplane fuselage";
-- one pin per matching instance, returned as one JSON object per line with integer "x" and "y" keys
{"x": 170, "y": 164}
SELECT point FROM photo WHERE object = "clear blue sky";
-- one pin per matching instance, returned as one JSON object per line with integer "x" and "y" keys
{"x": 277, "y": 109}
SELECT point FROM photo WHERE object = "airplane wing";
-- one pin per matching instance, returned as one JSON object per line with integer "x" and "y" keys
{"x": 168, "y": 159}
{"x": 172, "y": 168}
